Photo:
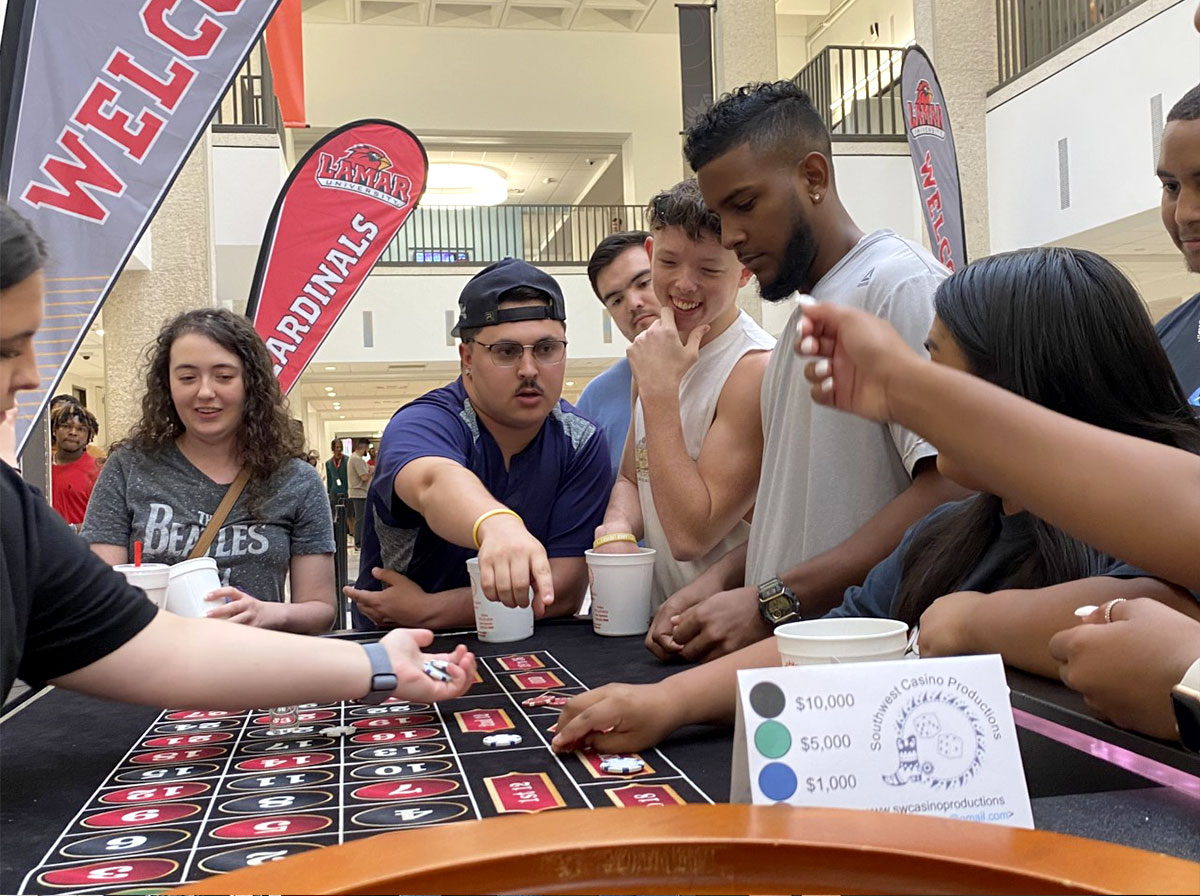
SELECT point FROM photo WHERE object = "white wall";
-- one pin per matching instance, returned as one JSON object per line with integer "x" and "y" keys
{"x": 1101, "y": 105}
{"x": 245, "y": 183}
{"x": 409, "y": 319}
{"x": 482, "y": 81}
{"x": 853, "y": 26}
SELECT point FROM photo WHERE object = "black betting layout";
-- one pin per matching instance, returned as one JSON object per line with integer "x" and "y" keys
{"x": 202, "y": 793}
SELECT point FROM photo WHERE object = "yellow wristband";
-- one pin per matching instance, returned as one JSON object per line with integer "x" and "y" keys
{"x": 614, "y": 536}
{"x": 488, "y": 515}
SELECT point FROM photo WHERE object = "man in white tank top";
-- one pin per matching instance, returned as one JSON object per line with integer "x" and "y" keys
{"x": 689, "y": 471}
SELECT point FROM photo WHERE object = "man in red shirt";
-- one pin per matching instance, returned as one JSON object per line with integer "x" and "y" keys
{"x": 75, "y": 471}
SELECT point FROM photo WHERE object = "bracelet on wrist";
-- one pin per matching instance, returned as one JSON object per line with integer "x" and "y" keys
{"x": 487, "y": 515}
{"x": 614, "y": 536}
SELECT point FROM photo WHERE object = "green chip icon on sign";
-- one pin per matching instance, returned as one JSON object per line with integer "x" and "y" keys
{"x": 772, "y": 739}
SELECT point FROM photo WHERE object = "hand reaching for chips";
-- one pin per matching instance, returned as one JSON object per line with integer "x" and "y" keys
{"x": 617, "y": 718}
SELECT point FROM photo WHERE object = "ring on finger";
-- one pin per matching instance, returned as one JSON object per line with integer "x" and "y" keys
{"x": 1108, "y": 608}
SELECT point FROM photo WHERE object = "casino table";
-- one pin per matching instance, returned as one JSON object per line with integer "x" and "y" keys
{"x": 62, "y": 755}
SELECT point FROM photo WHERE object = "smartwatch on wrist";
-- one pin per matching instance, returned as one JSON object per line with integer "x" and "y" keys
{"x": 777, "y": 603}
{"x": 383, "y": 679}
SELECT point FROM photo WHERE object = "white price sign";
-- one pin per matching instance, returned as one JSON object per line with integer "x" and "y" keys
{"x": 927, "y": 737}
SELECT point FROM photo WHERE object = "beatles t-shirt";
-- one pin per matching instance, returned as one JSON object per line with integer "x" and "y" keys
{"x": 165, "y": 502}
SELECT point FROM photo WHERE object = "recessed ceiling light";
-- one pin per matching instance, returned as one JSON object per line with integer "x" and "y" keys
{"x": 341, "y": 416}
{"x": 331, "y": 368}
{"x": 100, "y": 332}
{"x": 329, "y": 388}
{"x": 570, "y": 382}
{"x": 333, "y": 395}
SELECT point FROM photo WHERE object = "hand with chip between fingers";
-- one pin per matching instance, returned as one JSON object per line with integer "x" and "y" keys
{"x": 616, "y": 718}
{"x": 235, "y": 605}
{"x": 404, "y": 649}
{"x": 510, "y": 561}
{"x": 857, "y": 356}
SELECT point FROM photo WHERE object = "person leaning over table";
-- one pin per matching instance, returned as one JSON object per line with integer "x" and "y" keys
{"x": 494, "y": 462}
{"x": 68, "y": 619}
{"x": 1138, "y": 663}
{"x": 212, "y": 414}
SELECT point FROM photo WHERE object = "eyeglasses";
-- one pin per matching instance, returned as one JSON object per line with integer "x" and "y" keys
{"x": 508, "y": 354}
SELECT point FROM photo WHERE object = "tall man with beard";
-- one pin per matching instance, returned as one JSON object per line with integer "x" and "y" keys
{"x": 1179, "y": 171}
{"x": 495, "y": 463}
{"x": 835, "y": 494}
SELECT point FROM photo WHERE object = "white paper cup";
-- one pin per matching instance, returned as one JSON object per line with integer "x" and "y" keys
{"x": 494, "y": 622}
{"x": 621, "y": 586}
{"x": 189, "y": 582}
{"x": 150, "y": 577}
{"x": 841, "y": 640}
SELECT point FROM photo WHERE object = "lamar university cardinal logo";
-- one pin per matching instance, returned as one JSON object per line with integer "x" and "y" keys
{"x": 924, "y": 115}
{"x": 365, "y": 169}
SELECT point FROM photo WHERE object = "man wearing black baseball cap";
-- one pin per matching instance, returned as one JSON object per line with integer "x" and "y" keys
{"x": 495, "y": 463}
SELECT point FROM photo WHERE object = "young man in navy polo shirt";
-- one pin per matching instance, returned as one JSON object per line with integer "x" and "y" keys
{"x": 495, "y": 463}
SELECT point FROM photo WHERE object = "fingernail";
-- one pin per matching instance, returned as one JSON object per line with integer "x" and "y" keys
{"x": 827, "y": 384}
{"x": 821, "y": 368}
{"x": 1086, "y": 610}
{"x": 808, "y": 345}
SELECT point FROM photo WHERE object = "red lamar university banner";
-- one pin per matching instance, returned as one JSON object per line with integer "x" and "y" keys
{"x": 338, "y": 211}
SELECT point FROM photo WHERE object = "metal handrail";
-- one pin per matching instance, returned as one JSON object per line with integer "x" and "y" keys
{"x": 250, "y": 105}
{"x": 1029, "y": 32}
{"x": 470, "y": 236}
{"x": 857, "y": 91}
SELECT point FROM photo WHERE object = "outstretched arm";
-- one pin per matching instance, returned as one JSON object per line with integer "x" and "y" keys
{"x": 452, "y": 500}
{"x": 205, "y": 664}
{"x": 1147, "y": 511}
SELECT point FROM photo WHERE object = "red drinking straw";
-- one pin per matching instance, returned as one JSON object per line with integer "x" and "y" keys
{"x": 137, "y": 553}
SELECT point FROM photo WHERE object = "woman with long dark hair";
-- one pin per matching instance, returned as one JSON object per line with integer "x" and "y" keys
{"x": 1060, "y": 327}
{"x": 212, "y": 411}
{"x": 1065, "y": 329}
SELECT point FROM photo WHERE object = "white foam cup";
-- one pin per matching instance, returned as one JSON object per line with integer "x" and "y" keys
{"x": 841, "y": 640}
{"x": 621, "y": 585}
{"x": 494, "y": 622}
{"x": 189, "y": 582}
{"x": 150, "y": 577}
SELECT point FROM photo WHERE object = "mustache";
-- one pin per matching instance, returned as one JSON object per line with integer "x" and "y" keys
{"x": 530, "y": 386}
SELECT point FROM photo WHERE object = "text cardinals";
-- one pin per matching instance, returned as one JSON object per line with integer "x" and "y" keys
{"x": 305, "y": 310}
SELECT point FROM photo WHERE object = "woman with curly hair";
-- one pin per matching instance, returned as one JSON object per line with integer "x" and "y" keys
{"x": 212, "y": 409}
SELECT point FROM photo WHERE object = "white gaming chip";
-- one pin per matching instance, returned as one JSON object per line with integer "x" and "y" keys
{"x": 502, "y": 740}
{"x": 622, "y": 765}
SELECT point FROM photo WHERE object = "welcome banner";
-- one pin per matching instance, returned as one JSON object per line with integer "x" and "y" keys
{"x": 103, "y": 102}
{"x": 935, "y": 163}
{"x": 341, "y": 206}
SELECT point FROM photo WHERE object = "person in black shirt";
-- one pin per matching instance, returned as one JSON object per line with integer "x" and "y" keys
{"x": 68, "y": 619}
{"x": 1179, "y": 171}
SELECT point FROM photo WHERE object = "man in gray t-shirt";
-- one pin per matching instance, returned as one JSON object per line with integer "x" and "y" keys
{"x": 835, "y": 495}
{"x": 359, "y": 476}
